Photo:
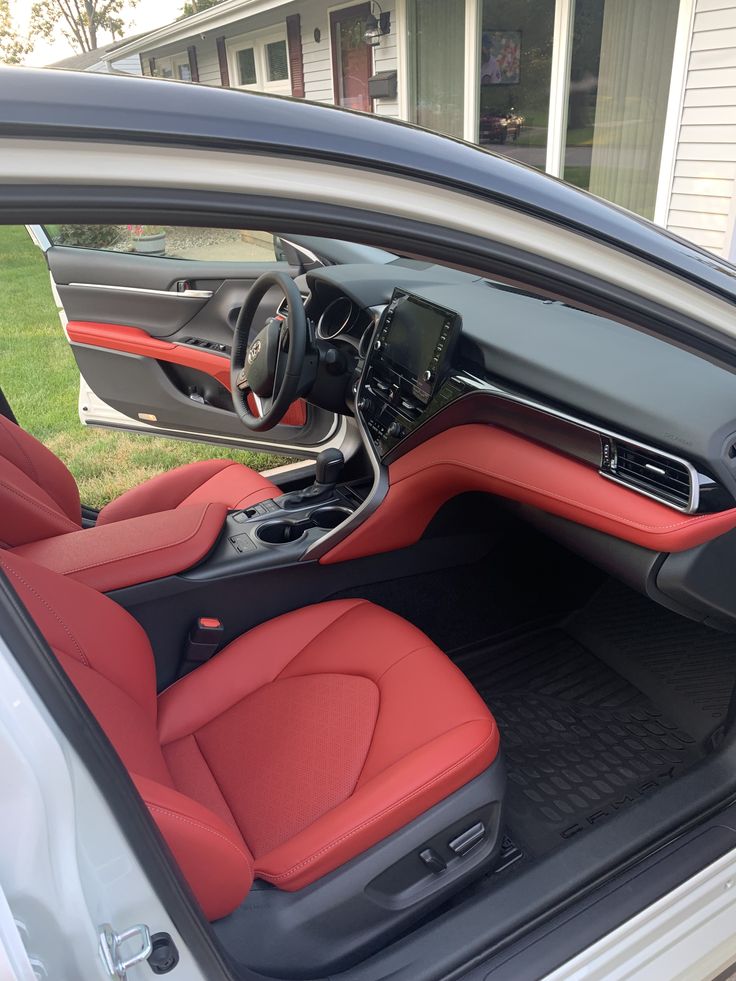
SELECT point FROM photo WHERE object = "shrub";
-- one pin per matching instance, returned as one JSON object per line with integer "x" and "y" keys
{"x": 90, "y": 236}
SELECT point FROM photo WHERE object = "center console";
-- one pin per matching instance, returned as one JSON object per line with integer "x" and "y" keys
{"x": 278, "y": 531}
{"x": 406, "y": 377}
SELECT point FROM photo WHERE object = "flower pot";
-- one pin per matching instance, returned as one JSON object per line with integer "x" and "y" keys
{"x": 150, "y": 244}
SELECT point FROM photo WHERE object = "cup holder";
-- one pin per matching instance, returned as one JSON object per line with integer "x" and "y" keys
{"x": 282, "y": 532}
{"x": 329, "y": 517}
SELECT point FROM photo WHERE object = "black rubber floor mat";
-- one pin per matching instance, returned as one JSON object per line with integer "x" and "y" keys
{"x": 689, "y": 666}
{"x": 461, "y": 606}
{"x": 580, "y": 741}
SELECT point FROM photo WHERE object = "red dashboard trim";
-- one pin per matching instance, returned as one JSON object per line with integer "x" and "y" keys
{"x": 134, "y": 340}
{"x": 486, "y": 458}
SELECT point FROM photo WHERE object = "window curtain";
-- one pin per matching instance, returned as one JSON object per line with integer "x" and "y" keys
{"x": 633, "y": 86}
{"x": 438, "y": 28}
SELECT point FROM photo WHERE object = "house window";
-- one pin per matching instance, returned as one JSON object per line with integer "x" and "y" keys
{"x": 174, "y": 66}
{"x": 277, "y": 61}
{"x": 247, "y": 67}
{"x": 260, "y": 61}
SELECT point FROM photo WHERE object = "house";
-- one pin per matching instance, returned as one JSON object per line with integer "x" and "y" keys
{"x": 634, "y": 101}
{"x": 105, "y": 59}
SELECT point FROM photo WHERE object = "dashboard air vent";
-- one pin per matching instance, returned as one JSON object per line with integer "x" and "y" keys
{"x": 666, "y": 479}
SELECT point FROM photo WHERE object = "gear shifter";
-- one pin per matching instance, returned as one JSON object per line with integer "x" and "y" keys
{"x": 328, "y": 469}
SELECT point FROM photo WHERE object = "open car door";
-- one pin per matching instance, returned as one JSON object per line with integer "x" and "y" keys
{"x": 149, "y": 314}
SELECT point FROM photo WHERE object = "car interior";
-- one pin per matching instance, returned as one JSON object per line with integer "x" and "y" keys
{"x": 484, "y": 619}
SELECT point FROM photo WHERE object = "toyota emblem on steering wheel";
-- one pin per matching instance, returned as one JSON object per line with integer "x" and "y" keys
{"x": 254, "y": 351}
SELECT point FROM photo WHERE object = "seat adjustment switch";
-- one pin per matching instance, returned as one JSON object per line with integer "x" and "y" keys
{"x": 468, "y": 839}
{"x": 434, "y": 862}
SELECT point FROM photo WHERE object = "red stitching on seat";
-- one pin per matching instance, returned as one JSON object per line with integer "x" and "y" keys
{"x": 201, "y": 825}
{"x": 51, "y": 610}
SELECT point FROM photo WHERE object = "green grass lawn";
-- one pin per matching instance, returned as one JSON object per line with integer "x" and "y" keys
{"x": 40, "y": 379}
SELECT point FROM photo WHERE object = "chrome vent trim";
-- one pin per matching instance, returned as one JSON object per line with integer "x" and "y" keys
{"x": 608, "y": 439}
{"x": 665, "y": 478}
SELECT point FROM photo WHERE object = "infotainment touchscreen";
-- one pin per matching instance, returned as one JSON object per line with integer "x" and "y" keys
{"x": 417, "y": 338}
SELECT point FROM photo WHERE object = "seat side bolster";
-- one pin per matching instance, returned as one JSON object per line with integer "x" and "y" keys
{"x": 161, "y": 493}
{"x": 212, "y": 856}
{"x": 202, "y": 482}
{"x": 384, "y": 804}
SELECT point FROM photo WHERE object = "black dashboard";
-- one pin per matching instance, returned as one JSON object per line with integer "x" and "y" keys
{"x": 437, "y": 347}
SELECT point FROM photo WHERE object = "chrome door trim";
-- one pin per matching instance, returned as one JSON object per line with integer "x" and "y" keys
{"x": 187, "y": 294}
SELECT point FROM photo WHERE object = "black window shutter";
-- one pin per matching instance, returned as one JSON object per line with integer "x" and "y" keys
{"x": 222, "y": 58}
{"x": 193, "y": 69}
{"x": 152, "y": 66}
{"x": 296, "y": 61}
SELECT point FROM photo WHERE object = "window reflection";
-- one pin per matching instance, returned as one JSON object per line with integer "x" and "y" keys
{"x": 515, "y": 67}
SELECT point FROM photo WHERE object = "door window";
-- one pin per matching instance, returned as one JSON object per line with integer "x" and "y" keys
{"x": 207, "y": 244}
{"x": 619, "y": 86}
{"x": 515, "y": 74}
{"x": 437, "y": 46}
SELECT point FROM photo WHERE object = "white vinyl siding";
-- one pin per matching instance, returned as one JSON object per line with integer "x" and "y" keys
{"x": 705, "y": 165}
{"x": 128, "y": 66}
{"x": 317, "y": 55}
{"x": 385, "y": 59}
{"x": 207, "y": 61}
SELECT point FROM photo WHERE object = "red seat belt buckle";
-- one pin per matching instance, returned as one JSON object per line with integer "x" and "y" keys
{"x": 205, "y": 637}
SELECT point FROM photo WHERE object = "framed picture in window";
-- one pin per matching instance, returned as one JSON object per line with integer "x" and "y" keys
{"x": 500, "y": 58}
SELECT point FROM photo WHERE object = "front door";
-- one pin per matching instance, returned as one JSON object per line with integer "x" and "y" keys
{"x": 149, "y": 312}
{"x": 352, "y": 58}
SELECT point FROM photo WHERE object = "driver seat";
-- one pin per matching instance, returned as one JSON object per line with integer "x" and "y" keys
{"x": 39, "y": 497}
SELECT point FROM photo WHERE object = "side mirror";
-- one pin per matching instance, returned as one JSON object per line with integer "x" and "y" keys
{"x": 278, "y": 249}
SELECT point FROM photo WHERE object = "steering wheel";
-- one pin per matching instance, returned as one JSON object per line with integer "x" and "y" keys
{"x": 271, "y": 365}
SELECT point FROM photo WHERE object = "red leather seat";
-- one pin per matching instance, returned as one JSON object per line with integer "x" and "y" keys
{"x": 302, "y": 744}
{"x": 40, "y": 499}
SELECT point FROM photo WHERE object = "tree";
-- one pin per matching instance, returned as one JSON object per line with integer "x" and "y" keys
{"x": 13, "y": 47}
{"x": 80, "y": 21}
{"x": 196, "y": 6}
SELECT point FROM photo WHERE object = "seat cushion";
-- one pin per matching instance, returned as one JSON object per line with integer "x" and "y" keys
{"x": 321, "y": 732}
{"x": 204, "y": 482}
